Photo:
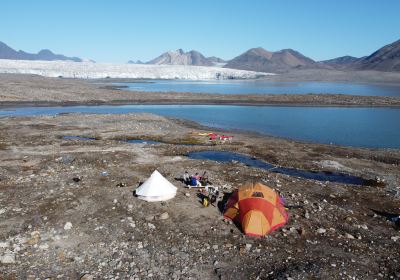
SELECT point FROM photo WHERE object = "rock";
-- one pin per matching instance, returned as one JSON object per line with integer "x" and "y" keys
{"x": 301, "y": 231}
{"x": 321, "y": 230}
{"x": 44, "y": 247}
{"x": 151, "y": 226}
{"x": 149, "y": 218}
{"x": 87, "y": 276}
{"x": 2, "y": 211}
{"x": 76, "y": 179}
{"x": 187, "y": 194}
{"x": 7, "y": 258}
{"x": 364, "y": 227}
{"x": 395, "y": 238}
{"x": 215, "y": 247}
{"x": 306, "y": 215}
{"x": 292, "y": 229}
{"x": 3, "y": 244}
{"x": 163, "y": 216}
{"x": 68, "y": 226}
{"x": 349, "y": 236}
{"x": 248, "y": 246}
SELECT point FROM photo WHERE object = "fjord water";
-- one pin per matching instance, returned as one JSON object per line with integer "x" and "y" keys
{"x": 262, "y": 86}
{"x": 362, "y": 127}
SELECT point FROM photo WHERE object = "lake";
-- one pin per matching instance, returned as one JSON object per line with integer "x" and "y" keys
{"x": 360, "y": 127}
{"x": 262, "y": 86}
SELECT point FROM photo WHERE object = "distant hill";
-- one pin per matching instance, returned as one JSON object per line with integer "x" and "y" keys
{"x": 386, "y": 58}
{"x": 135, "y": 62}
{"x": 261, "y": 60}
{"x": 342, "y": 61}
{"x": 7, "y": 52}
{"x": 179, "y": 57}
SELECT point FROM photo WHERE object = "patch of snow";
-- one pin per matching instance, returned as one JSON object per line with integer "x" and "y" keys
{"x": 89, "y": 70}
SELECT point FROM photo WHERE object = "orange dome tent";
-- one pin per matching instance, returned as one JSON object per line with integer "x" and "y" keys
{"x": 257, "y": 208}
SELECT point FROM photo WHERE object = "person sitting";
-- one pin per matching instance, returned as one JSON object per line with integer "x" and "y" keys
{"x": 186, "y": 178}
{"x": 197, "y": 176}
{"x": 193, "y": 181}
{"x": 204, "y": 179}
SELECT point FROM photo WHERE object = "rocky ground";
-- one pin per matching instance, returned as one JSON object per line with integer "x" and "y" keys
{"x": 30, "y": 90}
{"x": 62, "y": 217}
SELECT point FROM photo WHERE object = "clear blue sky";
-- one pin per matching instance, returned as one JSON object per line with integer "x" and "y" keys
{"x": 117, "y": 30}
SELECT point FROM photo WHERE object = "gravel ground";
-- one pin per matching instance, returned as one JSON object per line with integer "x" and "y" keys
{"x": 54, "y": 227}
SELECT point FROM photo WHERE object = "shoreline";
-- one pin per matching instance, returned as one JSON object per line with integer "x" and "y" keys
{"x": 27, "y": 104}
{"x": 30, "y": 90}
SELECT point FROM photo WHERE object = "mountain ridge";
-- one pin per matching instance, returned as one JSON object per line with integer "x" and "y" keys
{"x": 6, "y": 52}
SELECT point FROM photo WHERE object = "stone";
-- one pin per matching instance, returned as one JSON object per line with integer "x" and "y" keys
{"x": 248, "y": 246}
{"x": 163, "y": 216}
{"x": 395, "y": 238}
{"x": 68, "y": 226}
{"x": 349, "y": 236}
{"x": 44, "y": 247}
{"x": 7, "y": 258}
{"x": 149, "y": 218}
{"x": 151, "y": 226}
{"x": 187, "y": 194}
{"x": 87, "y": 276}
{"x": 321, "y": 230}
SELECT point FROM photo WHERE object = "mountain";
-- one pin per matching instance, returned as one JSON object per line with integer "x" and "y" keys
{"x": 179, "y": 57}
{"x": 386, "y": 58}
{"x": 135, "y": 62}
{"x": 216, "y": 60}
{"x": 7, "y": 52}
{"x": 340, "y": 61}
{"x": 261, "y": 60}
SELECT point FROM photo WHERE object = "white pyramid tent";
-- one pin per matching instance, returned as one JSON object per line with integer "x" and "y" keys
{"x": 156, "y": 188}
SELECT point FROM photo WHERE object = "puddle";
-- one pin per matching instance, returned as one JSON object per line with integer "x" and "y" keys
{"x": 140, "y": 141}
{"x": 78, "y": 138}
{"x": 322, "y": 176}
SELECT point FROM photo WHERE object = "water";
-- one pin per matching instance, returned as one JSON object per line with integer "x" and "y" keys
{"x": 252, "y": 162}
{"x": 79, "y": 138}
{"x": 361, "y": 127}
{"x": 260, "y": 86}
{"x": 140, "y": 141}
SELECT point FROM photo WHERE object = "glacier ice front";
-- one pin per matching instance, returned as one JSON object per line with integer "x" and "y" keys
{"x": 90, "y": 70}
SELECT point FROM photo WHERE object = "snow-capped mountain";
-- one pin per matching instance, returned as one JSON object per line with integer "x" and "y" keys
{"x": 179, "y": 57}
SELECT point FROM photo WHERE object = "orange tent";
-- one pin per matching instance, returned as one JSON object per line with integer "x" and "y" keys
{"x": 257, "y": 208}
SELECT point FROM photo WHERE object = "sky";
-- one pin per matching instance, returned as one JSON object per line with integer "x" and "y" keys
{"x": 117, "y": 30}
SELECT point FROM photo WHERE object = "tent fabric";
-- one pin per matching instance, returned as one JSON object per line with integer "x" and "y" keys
{"x": 257, "y": 209}
{"x": 156, "y": 188}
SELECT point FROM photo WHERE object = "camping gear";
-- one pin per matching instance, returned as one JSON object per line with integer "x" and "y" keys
{"x": 257, "y": 209}
{"x": 210, "y": 195}
{"x": 156, "y": 188}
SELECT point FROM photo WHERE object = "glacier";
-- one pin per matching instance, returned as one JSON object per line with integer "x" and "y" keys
{"x": 90, "y": 70}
